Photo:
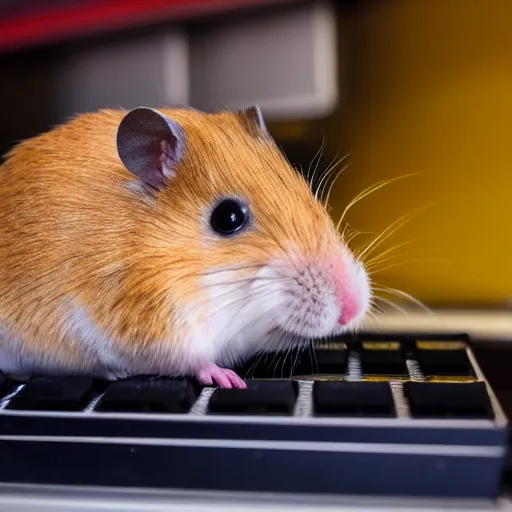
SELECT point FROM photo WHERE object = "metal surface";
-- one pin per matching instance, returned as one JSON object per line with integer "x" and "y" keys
{"x": 76, "y": 499}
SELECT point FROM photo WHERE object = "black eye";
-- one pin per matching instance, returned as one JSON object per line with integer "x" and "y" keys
{"x": 229, "y": 216}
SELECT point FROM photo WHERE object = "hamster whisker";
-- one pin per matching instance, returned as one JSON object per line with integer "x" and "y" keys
{"x": 289, "y": 341}
{"x": 285, "y": 338}
{"x": 389, "y": 231}
{"x": 373, "y": 314}
{"x": 298, "y": 349}
{"x": 381, "y": 257}
{"x": 252, "y": 279}
{"x": 383, "y": 263}
{"x": 276, "y": 354}
{"x": 337, "y": 161}
{"x": 258, "y": 356}
{"x": 332, "y": 168}
{"x": 312, "y": 355}
{"x": 191, "y": 275}
{"x": 392, "y": 304}
{"x": 328, "y": 178}
{"x": 366, "y": 192}
{"x": 350, "y": 233}
{"x": 370, "y": 190}
{"x": 324, "y": 174}
{"x": 228, "y": 294}
{"x": 381, "y": 237}
{"x": 232, "y": 281}
{"x": 316, "y": 158}
{"x": 375, "y": 306}
{"x": 284, "y": 361}
{"x": 276, "y": 342}
{"x": 232, "y": 268}
{"x": 234, "y": 290}
{"x": 247, "y": 304}
{"x": 421, "y": 260}
{"x": 295, "y": 361}
{"x": 333, "y": 181}
{"x": 404, "y": 295}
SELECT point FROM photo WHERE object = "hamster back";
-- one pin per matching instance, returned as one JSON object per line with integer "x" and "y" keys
{"x": 164, "y": 242}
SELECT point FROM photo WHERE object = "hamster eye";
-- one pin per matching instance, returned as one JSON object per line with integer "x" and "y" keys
{"x": 229, "y": 216}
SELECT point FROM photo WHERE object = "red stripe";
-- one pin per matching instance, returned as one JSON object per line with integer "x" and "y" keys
{"x": 102, "y": 15}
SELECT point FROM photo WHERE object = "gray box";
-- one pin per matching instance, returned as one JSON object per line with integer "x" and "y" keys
{"x": 284, "y": 61}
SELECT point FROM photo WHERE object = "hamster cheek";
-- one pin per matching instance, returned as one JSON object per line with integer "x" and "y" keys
{"x": 241, "y": 311}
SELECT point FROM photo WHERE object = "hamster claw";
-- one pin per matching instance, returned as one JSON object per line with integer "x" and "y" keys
{"x": 208, "y": 373}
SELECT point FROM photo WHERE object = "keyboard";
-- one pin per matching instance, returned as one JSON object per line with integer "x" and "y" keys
{"x": 369, "y": 415}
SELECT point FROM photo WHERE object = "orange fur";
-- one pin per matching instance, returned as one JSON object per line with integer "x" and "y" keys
{"x": 70, "y": 228}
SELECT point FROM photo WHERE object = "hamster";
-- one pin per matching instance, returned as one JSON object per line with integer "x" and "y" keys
{"x": 166, "y": 242}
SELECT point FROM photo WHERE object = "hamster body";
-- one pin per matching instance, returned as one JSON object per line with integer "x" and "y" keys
{"x": 169, "y": 242}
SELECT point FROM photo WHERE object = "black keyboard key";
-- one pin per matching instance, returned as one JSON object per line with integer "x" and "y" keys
{"x": 330, "y": 360}
{"x": 261, "y": 397}
{"x": 383, "y": 358}
{"x": 443, "y": 361}
{"x": 54, "y": 394}
{"x": 372, "y": 399}
{"x": 149, "y": 395}
{"x": 323, "y": 359}
{"x": 448, "y": 400}
{"x": 272, "y": 365}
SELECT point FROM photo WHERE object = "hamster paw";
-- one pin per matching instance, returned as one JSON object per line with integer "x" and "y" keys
{"x": 208, "y": 373}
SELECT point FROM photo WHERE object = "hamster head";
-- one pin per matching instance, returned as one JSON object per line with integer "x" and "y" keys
{"x": 257, "y": 264}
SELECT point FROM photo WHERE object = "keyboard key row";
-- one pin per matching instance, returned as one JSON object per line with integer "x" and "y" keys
{"x": 278, "y": 397}
{"x": 376, "y": 358}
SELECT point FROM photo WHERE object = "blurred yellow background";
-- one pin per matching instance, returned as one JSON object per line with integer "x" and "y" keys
{"x": 433, "y": 95}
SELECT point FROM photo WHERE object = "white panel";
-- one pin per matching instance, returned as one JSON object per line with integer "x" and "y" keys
{"x": 145, "y": 70}
{"x": 283, "y": 60}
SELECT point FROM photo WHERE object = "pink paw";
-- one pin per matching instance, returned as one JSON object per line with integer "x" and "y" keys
{"x": 208, "y": 373}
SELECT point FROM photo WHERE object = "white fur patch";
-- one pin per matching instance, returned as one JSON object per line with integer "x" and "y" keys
{"x": 104, "y": 355}
{"x": 99, "y": 350}
{"x": 241, "y": 309}
{"x": 283, "y": 305}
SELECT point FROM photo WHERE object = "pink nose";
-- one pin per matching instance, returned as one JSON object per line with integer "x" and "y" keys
{"x": 349, "y": 310}
{"x": 350, "y": 293}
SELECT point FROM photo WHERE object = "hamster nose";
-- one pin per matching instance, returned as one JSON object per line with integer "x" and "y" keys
{"x": 352, "y": 290}
{"x": 350, "y": 309}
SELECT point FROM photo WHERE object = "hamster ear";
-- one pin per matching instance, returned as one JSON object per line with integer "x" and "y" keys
{"x": 150, "y": 145}
{"x": 254, "y": 122}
